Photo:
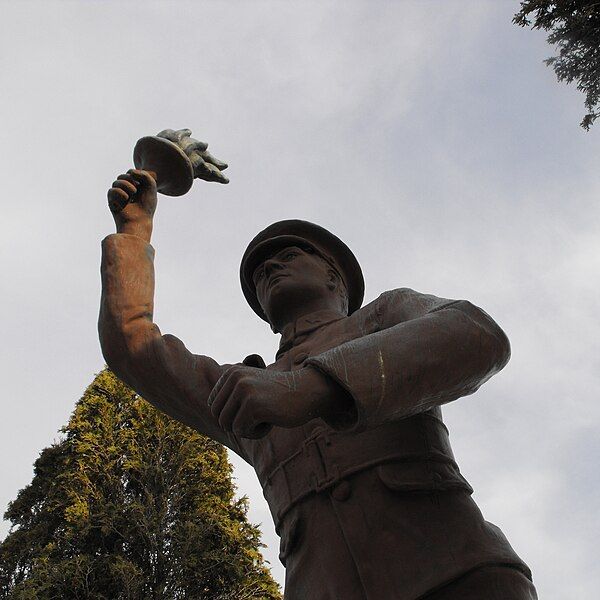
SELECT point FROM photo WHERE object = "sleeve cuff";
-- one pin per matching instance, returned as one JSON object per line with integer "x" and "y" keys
{"x": 350, "y": 420}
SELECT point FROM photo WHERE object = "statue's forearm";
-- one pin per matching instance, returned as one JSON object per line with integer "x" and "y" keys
{"x": 418, "y": 364}
{"x": 125, "y": 322}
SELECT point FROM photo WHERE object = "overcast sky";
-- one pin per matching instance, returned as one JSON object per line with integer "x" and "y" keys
{"x": 428, "y": 135}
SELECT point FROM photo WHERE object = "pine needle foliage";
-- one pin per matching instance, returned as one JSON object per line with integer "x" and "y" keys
{"x": 131, "y": 505}
{"x": 574, "y": 27}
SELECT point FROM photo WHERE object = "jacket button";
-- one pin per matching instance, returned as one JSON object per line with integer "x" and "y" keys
{"x": 341, "y": 491}
{"x": 300, "y": 358}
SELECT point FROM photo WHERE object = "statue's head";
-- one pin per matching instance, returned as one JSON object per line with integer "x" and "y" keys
{"x": 293, "y": 265}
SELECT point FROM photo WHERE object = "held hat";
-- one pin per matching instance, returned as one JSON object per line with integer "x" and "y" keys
{"x": 294, "y": 232}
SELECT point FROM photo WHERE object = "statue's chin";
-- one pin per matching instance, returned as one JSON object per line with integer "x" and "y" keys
{"x": 282, "y": 303}
{"x": 288, "y": 299}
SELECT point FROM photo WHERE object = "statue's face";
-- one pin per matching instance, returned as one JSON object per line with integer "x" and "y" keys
{"x": 290, "y": 278}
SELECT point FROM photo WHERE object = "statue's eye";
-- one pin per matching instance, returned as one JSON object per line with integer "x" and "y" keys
{"x": 290, "y": 255}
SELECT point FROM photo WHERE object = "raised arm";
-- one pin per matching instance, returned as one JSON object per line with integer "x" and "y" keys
{"x": 157, "y": 366}
{"x": 429, "y": 351}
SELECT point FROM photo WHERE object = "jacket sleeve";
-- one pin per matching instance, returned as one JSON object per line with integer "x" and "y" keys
{"x": 428, "y": 351}
{"x": 158, "y": 367}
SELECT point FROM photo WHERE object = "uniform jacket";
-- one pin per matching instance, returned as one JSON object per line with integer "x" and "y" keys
{"x": 372, "y": 508}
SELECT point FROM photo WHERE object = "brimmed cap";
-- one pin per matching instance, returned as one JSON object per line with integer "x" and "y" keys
{"x": 294, "y": 232}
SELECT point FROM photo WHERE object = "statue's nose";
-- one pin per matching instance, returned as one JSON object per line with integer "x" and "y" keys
{"x": 271, "y": 265}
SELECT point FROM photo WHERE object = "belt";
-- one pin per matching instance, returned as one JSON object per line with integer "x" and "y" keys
{"x": 328, "y": 456}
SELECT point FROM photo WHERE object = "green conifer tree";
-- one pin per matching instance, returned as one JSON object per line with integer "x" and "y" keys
{"x": 574, "y": 27}
{"x": 131, "y": 505}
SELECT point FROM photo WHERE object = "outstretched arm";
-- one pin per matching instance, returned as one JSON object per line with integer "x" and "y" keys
{"x": 157, "y": 366}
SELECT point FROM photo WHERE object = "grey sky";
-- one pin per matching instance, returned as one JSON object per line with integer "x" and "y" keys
{"x": 428, "y": 135}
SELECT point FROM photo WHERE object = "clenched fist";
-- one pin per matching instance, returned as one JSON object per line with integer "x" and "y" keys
{"x": 132, "y": 200}
{"x": 248, "y": 401}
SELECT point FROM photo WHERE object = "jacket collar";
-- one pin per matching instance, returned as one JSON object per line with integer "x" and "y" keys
{"x": 295, "y": 333}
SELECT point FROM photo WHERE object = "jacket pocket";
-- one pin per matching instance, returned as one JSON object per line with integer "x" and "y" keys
{"x": 425, "y": 476}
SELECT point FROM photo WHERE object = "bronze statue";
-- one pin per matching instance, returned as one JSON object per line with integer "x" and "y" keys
{"x": 344, "y": 429}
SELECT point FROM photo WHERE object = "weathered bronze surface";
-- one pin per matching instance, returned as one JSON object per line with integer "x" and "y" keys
{"x": 344, "y": 429}
{"x": 175, "y": 159}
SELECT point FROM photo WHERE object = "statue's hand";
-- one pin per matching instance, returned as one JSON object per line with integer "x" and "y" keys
{"x": 132, "y": 200}
{"x": 248, "y": 401}
{"x": 206, "y": 166}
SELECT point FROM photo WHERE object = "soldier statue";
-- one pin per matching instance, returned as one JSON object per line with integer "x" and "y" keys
{"x": 344, "y": 429}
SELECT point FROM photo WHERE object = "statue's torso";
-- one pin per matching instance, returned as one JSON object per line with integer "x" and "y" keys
{"x": 382, "y": 513}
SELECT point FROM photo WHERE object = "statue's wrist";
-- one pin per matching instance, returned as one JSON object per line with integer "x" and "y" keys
{"x": 141, "y": 229}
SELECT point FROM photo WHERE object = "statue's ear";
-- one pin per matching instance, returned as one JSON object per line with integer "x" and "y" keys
{"x": 333, "y": 280}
